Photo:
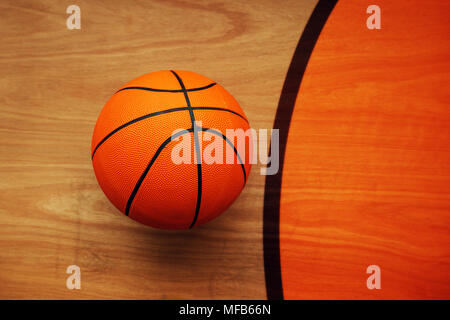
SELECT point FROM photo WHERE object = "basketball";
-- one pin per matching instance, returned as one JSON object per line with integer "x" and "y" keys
{"x": 163, "y": 153}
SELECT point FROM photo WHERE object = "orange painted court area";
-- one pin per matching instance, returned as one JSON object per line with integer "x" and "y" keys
{"x": 367, "y": 169}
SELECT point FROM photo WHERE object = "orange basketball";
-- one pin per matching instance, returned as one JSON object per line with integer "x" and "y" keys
{"x": 158, "y": 144}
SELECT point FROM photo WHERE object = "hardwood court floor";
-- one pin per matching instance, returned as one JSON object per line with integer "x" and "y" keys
{"x": 54, "y": 83}
{"x": 366, "y": 177}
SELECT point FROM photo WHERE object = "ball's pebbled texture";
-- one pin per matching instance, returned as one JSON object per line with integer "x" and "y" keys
{"x": 132, "y": 149}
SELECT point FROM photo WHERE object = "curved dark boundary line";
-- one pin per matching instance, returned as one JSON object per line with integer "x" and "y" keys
{"x": 156, "y": 114}
{"x": 168, "y": 90}
{"x": 272, "y": 192}
{"x": 220, "y": 134}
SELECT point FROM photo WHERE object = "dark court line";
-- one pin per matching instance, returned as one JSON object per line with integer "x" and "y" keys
{"x": 272, "y": 192}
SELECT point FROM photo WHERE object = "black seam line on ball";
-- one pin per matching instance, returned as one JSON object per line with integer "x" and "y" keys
{"x": 220, "y": 134}
{"x": 220, "y": 109}
{"x": 159, "y": 113}
{"x": 197, "y": 150}
{"x": 134, "y": 121}
{"x": 144, "y": 174}
{"x": 168, "y": 90}
{"x": 161, "y": 148}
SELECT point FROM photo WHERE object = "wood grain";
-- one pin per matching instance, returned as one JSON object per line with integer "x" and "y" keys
{"x": 367, "y": 172}
{"x": 54, "y": 83}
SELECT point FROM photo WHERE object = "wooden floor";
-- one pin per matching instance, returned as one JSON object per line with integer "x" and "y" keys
{"x": 54, "y": 83}
{"x": 366, "y": 177}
